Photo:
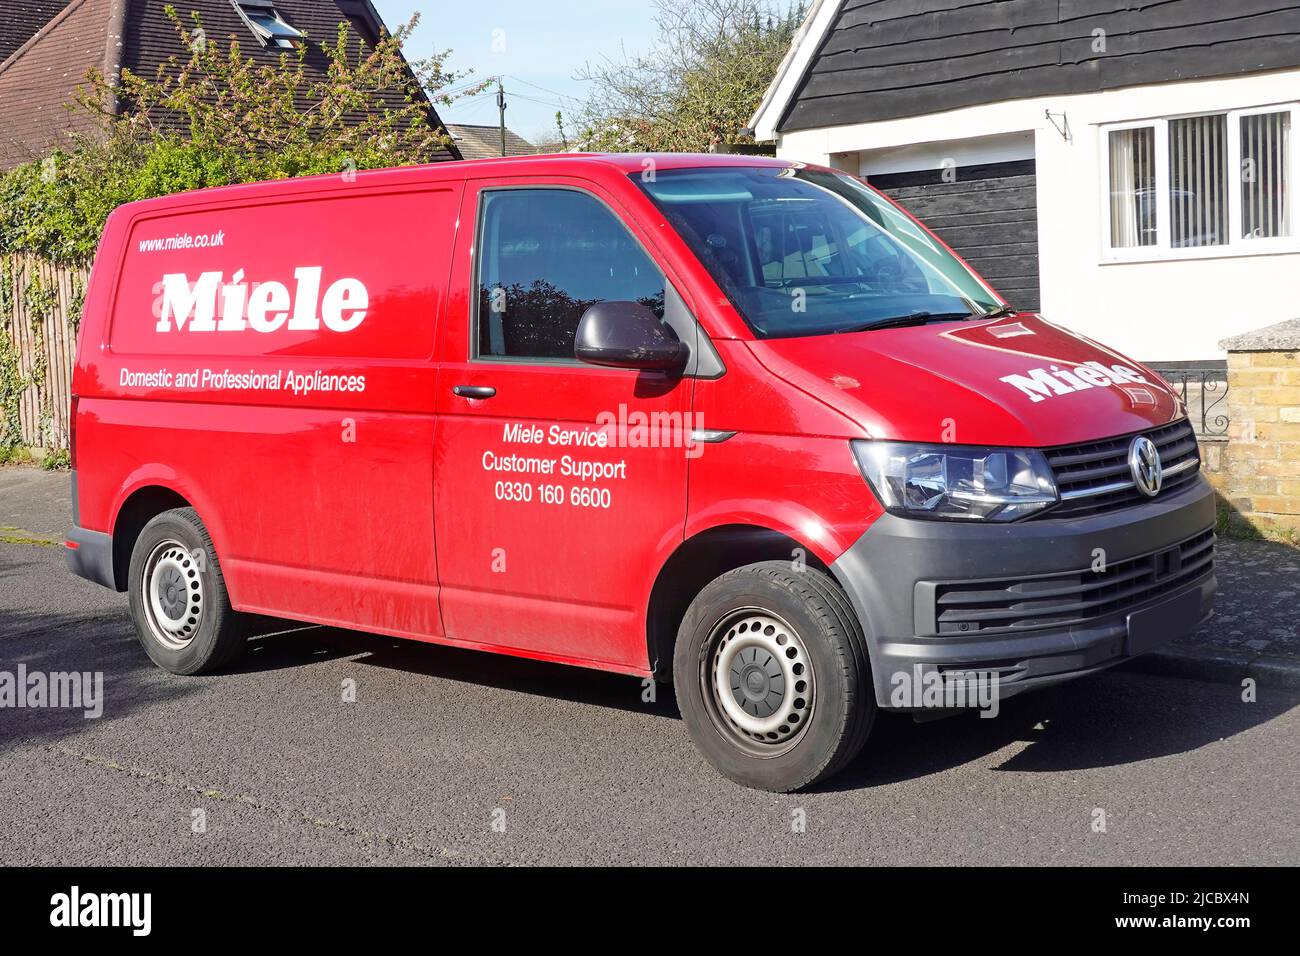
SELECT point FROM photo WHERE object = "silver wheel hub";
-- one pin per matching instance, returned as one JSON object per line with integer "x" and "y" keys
{"x": 173, "y": 595}
{"x": 761, "y": 676}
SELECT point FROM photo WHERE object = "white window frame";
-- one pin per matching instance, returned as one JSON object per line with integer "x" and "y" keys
{"x": 267, "y": 7}
{"x": 1237, "y": 245}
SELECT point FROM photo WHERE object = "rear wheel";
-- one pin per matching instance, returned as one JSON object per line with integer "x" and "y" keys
{"x": 772, "y": 676}
{"x": 178, "y": 597}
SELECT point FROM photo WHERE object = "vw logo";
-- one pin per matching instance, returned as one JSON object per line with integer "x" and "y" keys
{"x": 1144, "y": 464}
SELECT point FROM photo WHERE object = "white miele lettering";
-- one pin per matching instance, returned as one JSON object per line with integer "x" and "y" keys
{"x": 305, "y": 318}
{"x": 268, "y": 307}
{"x": 344, "y": 305}
{"x": 193, "y": 302}
{"x": 234, "y": 298}
{"x": 1041, "y": 383}
{"x": 262, "y": 306}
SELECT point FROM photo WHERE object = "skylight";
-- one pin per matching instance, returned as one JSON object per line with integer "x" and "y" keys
{"x": 270, "y": 28}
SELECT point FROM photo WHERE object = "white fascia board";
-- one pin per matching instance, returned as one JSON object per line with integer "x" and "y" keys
{"x": 790, "y": 73}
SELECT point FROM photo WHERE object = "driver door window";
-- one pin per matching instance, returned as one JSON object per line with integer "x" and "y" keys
{"x": 546, "y": 256}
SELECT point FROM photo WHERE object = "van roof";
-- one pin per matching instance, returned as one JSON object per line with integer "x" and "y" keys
{"x": 558, "y": 163}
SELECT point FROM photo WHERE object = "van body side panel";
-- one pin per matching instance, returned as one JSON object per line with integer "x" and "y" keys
{"x": 788, "y": 468}
{"x": 272, "y": 363}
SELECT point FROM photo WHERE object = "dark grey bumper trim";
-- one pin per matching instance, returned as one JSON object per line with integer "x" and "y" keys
{"x": 92, "y": 558}
{"x": 881, "y": 569}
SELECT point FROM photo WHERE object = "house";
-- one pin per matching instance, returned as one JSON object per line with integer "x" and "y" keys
{"x": 483, "y": 142}
{"x": 1128, "y": 168}
{"x": 48, "y": 46}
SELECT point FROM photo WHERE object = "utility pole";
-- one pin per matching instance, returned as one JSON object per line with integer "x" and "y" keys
{"x": 501, "y": 112}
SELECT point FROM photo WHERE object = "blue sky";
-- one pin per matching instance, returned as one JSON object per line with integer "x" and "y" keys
{"x": 537, "y": 47}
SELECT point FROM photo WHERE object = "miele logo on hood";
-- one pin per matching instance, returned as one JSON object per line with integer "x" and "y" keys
{"x": 263, "y": 306}
{"x": 1041, "y": 383}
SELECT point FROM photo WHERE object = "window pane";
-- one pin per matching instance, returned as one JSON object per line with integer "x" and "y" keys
{"x": 270, "y": 24}
{"x": 1265, "y": 185}
{"x": 1198, "y": 181}
{"x": 1132, "y": 187}
{"x": 547, "y": 255}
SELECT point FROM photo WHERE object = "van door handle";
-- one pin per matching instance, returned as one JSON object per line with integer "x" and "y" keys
{"x": 474, "y": 391}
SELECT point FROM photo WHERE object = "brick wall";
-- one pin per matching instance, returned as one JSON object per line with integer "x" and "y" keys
{"x": 1214, "y": 464}
{"x": 1262, "y": 457}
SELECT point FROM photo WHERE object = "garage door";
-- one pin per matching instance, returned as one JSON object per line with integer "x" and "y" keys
{"x": 989, "y": 214}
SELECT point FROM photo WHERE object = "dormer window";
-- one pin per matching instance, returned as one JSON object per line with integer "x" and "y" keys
{"x": 270, "y": 28}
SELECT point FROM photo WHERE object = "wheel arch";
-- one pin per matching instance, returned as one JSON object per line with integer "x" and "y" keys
{"x": 137, "y": 509}
{"x": 697, "y": 561}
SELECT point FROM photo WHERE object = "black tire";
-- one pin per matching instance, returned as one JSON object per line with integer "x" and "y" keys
{"x": 190, "y": 628}
{"x": 811, "y": 743}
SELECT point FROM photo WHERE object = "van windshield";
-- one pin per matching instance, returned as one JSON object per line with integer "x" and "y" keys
{"x": 801, "y": 252}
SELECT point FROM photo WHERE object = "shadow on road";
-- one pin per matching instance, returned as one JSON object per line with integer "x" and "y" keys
{"x": 278, "y": 645}
{"x": 500, "y": 671}
{"x": 89, "y": 642}
{"x": 1105, "y": 720}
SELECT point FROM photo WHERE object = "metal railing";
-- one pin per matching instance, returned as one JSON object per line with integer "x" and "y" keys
{"x": 1204, "y": 390}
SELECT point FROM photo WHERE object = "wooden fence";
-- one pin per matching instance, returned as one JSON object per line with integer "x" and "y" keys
{"x": 40, "y": 310}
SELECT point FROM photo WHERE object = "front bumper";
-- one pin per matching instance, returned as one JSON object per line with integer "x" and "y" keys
{"x": 895, "y": 572}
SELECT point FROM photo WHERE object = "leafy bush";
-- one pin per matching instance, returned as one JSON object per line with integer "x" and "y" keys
{"x": 59, "y": 460}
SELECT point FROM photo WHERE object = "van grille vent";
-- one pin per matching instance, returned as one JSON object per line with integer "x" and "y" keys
{"x": 1094, "y": 478}
{"x": 977, "y": 607}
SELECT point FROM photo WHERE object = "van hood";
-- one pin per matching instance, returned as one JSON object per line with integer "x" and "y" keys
{"x": 1011, "y": 381}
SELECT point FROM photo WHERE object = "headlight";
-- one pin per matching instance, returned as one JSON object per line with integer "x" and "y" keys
{"x": 951, "y": 481}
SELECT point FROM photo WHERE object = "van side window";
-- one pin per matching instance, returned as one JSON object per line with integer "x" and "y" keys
{"x": 545, "y": 256}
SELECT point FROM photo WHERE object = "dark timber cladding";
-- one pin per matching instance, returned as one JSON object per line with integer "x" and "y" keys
{"x": 883, "y": 59}
{"x": 989, "y": 216}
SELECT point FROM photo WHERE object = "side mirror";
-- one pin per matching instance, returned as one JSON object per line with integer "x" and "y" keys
{"x": 627, "y": 335}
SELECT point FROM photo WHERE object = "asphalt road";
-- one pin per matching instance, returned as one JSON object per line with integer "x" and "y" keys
{"x": 441, "y": 743}
{"x": 34, "y": 504}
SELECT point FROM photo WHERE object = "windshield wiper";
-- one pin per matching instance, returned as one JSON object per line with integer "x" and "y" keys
{"x": 912, "y": 318}
{"x": 1001, "y": 312}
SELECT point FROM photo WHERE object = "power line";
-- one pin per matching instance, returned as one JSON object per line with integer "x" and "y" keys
{"x": 563, "y": 96}
{"x": 530, "y": 99}
{"x": 468, "y": 85}
{"x": 474, "y": 111}
{"x": 485, "y": 93}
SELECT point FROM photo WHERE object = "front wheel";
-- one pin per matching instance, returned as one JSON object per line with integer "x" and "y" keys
{"x": 772, "y": 676}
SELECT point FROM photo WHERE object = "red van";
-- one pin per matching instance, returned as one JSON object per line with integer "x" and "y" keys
{"x": 735, "y": 423}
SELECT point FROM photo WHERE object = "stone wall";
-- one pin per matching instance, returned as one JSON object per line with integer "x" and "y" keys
{"x": 1214, "y": 462}
{"x": 1261, "y": 463}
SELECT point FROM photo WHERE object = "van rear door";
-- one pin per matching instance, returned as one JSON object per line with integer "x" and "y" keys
{"x": 551, "y": 518}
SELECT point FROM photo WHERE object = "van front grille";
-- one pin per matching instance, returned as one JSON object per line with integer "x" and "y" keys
{"x": 978, "y": 607}
{"x": 1094, "y": 477}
